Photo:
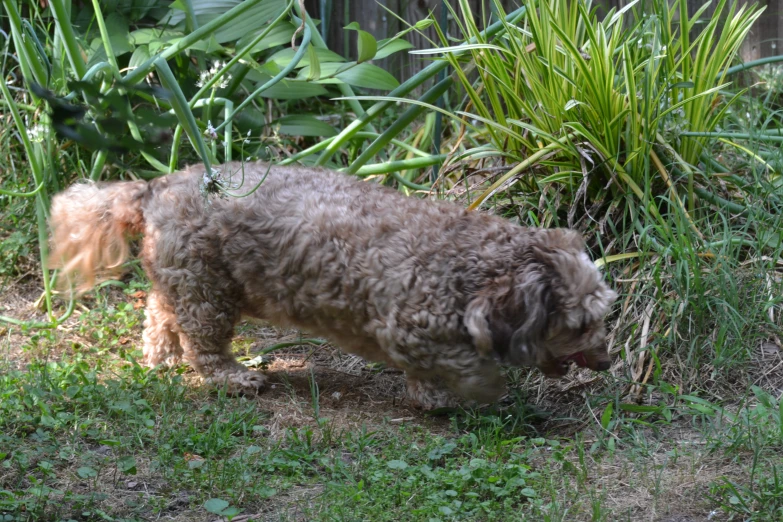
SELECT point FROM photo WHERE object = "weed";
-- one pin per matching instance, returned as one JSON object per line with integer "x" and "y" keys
{"x": 762, "y": 500}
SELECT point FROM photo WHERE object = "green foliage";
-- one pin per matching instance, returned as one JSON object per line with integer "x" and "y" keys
{"x": 761, "y": 500}
{"x": 597, "y": 94}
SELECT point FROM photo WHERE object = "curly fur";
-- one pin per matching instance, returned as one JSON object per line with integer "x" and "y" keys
{"x": 428, "y": 287}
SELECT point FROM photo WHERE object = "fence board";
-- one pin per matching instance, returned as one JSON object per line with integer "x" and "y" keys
{"x": 764, "y": 39}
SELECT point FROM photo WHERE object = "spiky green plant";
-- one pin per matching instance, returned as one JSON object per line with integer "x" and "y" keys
{"x": 586, "y": 96}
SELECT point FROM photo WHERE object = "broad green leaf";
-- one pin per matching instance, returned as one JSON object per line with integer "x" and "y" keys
{"x": 139, "y": 56}
{"x": 119, "y": 35}
{"x": 215, "y": 505}
{"x": 366, "y": 44}
{"x": 362, "y": 75}
{"x": 254, "y": 19}
{"x": 152, "y": 34}
{"x": 127, "y": 465}
{"x": 97, "y": 53}
{"x": 250, "y": 22}
{"x": 305, "y": 125}
{"x": 140, "y": 9}
{"x": 206, "y": 10}
{"x": 86, "y": 472}
{"x": 397, "y": 464}
{"x": 294, "y": 90}
{"x": 289, "y": 89}
{"x": 208, "y": 46}
{"x": 284, "y": 57}
{"x": 396, "y": 45}
{"x": 278, "y": 35}
{"x": 315, "y": 65}
{"x": 607, "y": 416}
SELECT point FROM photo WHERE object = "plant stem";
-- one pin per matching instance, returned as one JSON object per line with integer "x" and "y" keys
{"x": 754, "y": 63}
{"x": 282, "y": 74}
{"x": 403, "y": 121}
{"x": 395, "y": 166}
{"x": 182, "y": 110}
{"x": 105, "y": 37}
{"x": 72, "y": 49}
{"x": 736, "y": 135}
{"x": 241, "y": 54}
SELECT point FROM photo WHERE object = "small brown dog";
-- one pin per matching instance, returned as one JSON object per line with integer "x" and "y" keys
{"x": 428, "y": 287}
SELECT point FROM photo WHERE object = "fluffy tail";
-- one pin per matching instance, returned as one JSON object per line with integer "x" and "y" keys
{"x": 91, "y": 225}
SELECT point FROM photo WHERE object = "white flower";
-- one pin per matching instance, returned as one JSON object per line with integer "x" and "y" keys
{"x": 210, "y": 133}
{"x": 206, "y": 76}
{"x": 36, "y": 133}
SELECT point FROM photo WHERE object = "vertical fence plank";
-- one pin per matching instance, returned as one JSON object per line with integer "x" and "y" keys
{"x": 765, "y": 39}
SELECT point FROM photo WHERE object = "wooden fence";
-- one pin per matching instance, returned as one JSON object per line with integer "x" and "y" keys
{"x": 380, "y": 18}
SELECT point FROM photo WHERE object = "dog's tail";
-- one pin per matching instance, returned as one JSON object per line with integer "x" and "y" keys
{"x": 90, "y": 228}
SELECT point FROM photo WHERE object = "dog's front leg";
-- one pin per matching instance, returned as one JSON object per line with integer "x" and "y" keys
{"x": 446, "y": 375}
{"x": 206, "y": 321}
{"x": 429, "y": 395}
{"x": 213, "y": 360}
{"x": 161, "y": 340}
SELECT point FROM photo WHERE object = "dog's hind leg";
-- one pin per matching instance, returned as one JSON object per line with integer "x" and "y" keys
{"x": 161, "y": 337}
{"x": 206, "y": 316}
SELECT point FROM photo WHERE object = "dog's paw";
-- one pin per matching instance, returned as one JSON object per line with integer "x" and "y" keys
{"x": 170, "y": 361}
{"x": 241, "y": 382}
{"x": 248, "y": 380}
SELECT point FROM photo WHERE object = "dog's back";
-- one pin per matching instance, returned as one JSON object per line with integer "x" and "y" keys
{"x": 311, "y": 245}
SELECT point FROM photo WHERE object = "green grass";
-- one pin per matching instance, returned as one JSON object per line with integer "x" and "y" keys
{"x": 87, "y": 434}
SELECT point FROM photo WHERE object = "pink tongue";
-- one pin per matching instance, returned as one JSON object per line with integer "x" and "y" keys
{"x": 578, "y": 358}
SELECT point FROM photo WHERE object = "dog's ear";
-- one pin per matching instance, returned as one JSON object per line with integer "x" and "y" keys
{"x": 514, "y": 313}
{"x": 582, "y": 294}
{"x": 535, "y": 303}
{"x": 477, "y": 322}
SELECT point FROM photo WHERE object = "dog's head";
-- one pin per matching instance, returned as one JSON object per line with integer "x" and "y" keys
{"x": 550, "y": 312}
